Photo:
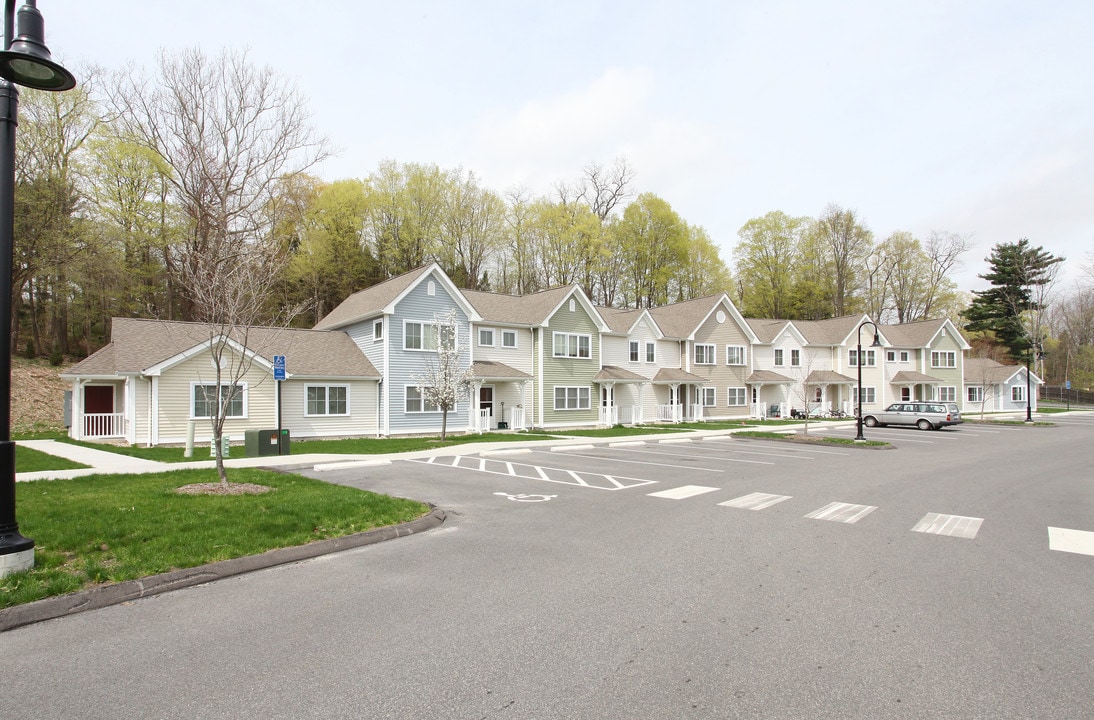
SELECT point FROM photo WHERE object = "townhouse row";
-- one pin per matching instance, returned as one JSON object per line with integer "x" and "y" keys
{"x": 545, "y": 360}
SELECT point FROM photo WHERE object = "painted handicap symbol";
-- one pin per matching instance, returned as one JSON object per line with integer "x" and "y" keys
{"x": 527, "y": 498}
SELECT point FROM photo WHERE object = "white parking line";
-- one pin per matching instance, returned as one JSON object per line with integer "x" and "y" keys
{"x": 842, "y": 512}
{"x": 951, "y": 525}
{"x": 1072, "y": 541}
{"x": 755, "y": 501}
{"x": 684, "y": 491}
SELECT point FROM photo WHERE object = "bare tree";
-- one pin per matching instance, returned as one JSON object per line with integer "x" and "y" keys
{"x": 445, "y": 381}
{"x": 944, "y": 250}
{"x": 229, "y": 132}
{"x": 603, "y": 188}
{"x": 846, "y": 242}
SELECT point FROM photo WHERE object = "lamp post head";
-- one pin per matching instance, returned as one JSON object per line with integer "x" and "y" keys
{"x": 877, "y": 340}
{"x": 27, "y": 61}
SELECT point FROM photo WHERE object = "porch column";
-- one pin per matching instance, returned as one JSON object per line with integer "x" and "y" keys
{"x": 639, "y": 414}
{"x": 523, "y": 403}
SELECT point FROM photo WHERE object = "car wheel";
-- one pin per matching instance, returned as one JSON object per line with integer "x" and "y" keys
{"x": 869, "y": 421}
{"x": 924, "y": 425}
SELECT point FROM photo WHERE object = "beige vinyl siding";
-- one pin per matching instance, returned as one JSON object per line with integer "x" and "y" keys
{"x": 719, "y": 375}
{"x": 174, "y": 401}
{"x": 362, "y": 418}
{"x": 142, "y": 389}
{"x": 952, "y": 377}
{"x": 570, "y": 372}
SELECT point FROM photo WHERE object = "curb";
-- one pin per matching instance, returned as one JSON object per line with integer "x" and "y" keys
{"x": 100, "y": 597}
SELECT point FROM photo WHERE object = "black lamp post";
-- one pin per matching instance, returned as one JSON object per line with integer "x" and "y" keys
{"x": 858, "y": 361}
{"x": 24, "y": 61}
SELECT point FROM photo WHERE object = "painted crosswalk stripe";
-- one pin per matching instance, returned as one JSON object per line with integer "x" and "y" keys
{"x": 755, "y": 501}
{"x": 684, "y": 491}
{"x": 1072, "y": 541}
{"x": 842, "y": 512}
{"x": 951, "y": 525}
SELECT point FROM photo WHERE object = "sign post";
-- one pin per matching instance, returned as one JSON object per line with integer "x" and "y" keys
{"x": 279, "y": 376}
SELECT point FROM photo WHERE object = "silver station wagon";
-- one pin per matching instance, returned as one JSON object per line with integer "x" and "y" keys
{"x": 923, "y": 415}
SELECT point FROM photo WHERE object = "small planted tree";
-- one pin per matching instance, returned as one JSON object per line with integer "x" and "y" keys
{"x": 446, "y": 380}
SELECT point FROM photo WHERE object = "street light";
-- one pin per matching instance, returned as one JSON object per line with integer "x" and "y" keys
{"x": 858, "y": 361}
{"x": 24, "y": 61}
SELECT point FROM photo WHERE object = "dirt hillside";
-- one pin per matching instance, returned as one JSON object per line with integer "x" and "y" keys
{"x": 37, "y": 395}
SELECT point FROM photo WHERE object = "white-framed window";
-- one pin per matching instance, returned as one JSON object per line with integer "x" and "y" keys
{"x": 890, "y": 355}
{"x": 736, "y": 396}
{"x": 904, "y": 356}
{"x": 377, "y": 330}
{"x": 707, "y": 397}
{"x": 735, "y": 355}
{"x": 205, "y": 400}
{"x": 778, "y": 357}
{"x": 634, "y": 351}
{"x": 975, "y": 393}
{"x": 651, "y": 352}
{"x": 416, "y": 401}
{"x": 947, "y": 393}
{"x": 868, "y": 395}
{"x": 905, "y": 394}
{"x": 508, "y": 338}
{"x": 1018, "y": 393}
{"x": 704, "y": 354}
{"x": 795, "y": 358}
{"x": 572, "y": 345}
{"x": 571, "y": 398}
{"x": 486, "y": 337}
{"x": 868, "y": 358}
{"x": 326, "y": 400}
{"x": 943, "y": 359}
{"x": 423, "y": 335}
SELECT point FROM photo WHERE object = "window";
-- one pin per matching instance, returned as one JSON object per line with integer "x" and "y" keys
{"x": 943, "y": 359}
{"x": 572, "y": 345}
{"x": 868, "y": 357}
{"x": 634, "y": 351}
{"x": 1018, "y": 393}
{"x": 975, "y": 393}
{"x": 327, "y": 400}
{"x": 431, "y": 289}
{"x": 417, "y": 403}
{"x": 778, "y": 357}
{"x": 735, "y": 396}
{"x": 205, "y": 400}
{"x": 423, "y": 336}
{"x": 903, "y": 356}
{"x": 890, "y": 355}
{"x": 571, "y": 398}
{"x": 905, "y": 394}
{"x": 486, "y": 337}
{"x": 378, "y": 330}
{"x": 868, "y": 396}
{"x": 650, "y": 356}
{"x": 795, "y": 358}
{"x": 704, "y": 354}
{"x": 947, "y": 394}
{"x": 509, "y": 338}
{"x": 735, "y": 355}
{"x": 707, "y": 397}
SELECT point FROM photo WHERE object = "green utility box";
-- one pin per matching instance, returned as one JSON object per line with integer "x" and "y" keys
{"x": 223, "y": 449}
{"x": 262, "y": 442}
{"x": 284, "y": 444}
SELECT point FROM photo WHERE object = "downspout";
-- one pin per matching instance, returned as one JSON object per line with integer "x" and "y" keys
{"x": 538, "y": 334}
{"x": 379, "y": 406}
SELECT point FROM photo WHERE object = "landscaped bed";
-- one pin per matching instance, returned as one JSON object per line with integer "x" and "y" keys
{"x": 803, "y": 438}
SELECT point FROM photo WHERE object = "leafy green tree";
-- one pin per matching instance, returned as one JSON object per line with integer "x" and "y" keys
{"x": 766, "y": 256}
{"x": 652, "y": 241}
{"x": 472, "y": 229}
{"x": 845, "y": 243}
{"x": 1012, "y": 308}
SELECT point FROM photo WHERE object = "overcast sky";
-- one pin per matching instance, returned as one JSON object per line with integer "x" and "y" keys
{"x": 973, "y": 117}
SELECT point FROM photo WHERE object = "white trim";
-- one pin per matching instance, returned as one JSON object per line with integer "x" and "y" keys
{"x": 242, "y": 383}
{"x": 326, "y": 400}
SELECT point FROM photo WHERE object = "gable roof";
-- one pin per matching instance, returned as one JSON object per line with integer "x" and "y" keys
{"x": 920, "y": 334}
{"x": 140, "y": 345}
{"x": 622, "y": 321}
{"x": 382, "y": 298}
{"x": 679, "y": 321}
{"x": 985, "y": 371}
{"x": 766, "y": 329}
{"x": 833, "y": 331}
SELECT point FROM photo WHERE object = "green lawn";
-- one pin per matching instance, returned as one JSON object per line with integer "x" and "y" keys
{"x": 29, "y": 460}
{"x": 106, "y": 529}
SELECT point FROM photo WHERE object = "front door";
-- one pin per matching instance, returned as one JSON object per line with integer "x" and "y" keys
{"x": 486, "y": 402}
{"x": 98, "y": 399}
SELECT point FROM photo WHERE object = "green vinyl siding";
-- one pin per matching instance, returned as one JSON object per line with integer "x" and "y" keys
{"x": 567, "y": 371}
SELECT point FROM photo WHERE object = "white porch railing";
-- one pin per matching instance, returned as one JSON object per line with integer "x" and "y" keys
{"x": 516, "y": 418}
{"x": 486, "y": 421}
{"x": 668, "y": 413}
{"x": 697, "y": 413}
{"x": 104, "y": 425}
{"x": 609, "y": 416}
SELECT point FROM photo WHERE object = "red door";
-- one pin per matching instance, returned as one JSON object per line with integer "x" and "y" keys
{"x": 98, "y": 399}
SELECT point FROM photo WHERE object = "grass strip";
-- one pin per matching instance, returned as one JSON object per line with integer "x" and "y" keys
{"x": 104, "y": 529}
{"x": 31, "y": 460}
{"x": 798, "y": 437}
